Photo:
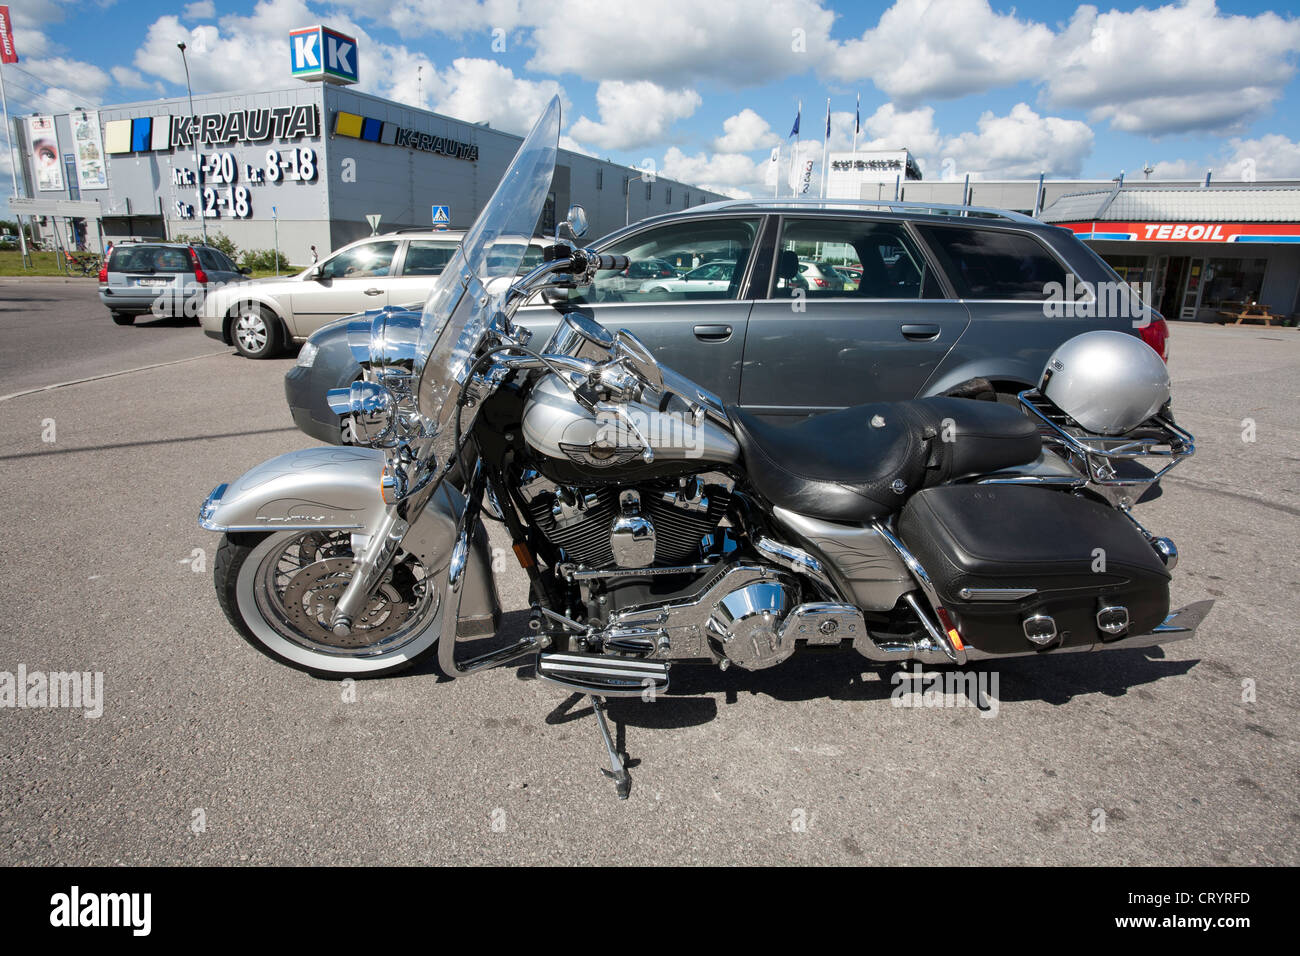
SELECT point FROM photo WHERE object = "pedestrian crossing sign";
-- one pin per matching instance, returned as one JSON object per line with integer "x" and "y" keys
{"x": 442, "y": 216}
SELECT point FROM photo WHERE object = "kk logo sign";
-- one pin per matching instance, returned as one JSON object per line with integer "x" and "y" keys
{"x": 319, "y": 53}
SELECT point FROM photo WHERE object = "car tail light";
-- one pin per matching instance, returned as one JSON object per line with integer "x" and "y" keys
{"x": 200, "y": 276}
{"x": 103, "y": 273}
{"x": 1156, "y": 334}
{"x": 821, "y": 283}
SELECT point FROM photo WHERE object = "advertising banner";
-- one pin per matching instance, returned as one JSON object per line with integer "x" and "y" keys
{"x": 45, "y": 153}
{"x": 89, "y": 151}
{"x": 8, "y": 52}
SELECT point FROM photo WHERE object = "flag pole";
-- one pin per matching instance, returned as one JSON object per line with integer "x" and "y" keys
{"x": 776, "y": 173}
{"x": 826, "y": 145}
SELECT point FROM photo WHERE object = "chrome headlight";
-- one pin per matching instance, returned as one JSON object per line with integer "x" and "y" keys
{"x": 373, "y": 409}
{"x": 308, "y": 354}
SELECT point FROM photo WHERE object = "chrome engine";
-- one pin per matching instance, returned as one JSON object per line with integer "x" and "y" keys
{"x": 653, "y": 524}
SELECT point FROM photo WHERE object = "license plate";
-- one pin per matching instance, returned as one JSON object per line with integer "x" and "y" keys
{"x": 153, "y": 282}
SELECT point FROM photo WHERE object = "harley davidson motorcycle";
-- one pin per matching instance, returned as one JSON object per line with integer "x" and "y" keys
{"x": 657, "y": 527}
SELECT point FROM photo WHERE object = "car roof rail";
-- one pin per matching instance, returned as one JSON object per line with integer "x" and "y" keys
{"x": 406, "y": 229}
{"x": 946, "y": 210}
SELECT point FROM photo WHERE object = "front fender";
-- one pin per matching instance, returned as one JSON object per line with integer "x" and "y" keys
{"x": 337, "y": 488}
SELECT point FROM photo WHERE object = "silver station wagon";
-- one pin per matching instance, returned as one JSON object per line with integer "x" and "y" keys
{"x": 940, "y": 296}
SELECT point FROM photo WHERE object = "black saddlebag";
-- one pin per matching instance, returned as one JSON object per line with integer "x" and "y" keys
{"x": 979, "y": 543}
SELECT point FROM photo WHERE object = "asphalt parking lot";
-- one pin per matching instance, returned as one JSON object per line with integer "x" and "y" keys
{"x": 208, "y": 752}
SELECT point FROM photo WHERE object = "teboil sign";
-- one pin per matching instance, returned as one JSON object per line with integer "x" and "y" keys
{"x": 1288, "y": 232}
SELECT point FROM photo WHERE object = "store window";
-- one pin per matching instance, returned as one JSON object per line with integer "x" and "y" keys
{"x": 1132, "y": 269}
{"x": 1232, "y": 282}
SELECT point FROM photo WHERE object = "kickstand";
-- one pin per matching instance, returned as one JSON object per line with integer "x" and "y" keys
{"x": 617, "y": 771}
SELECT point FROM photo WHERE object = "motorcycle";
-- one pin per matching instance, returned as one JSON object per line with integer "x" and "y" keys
{"x": 658, "y": 527}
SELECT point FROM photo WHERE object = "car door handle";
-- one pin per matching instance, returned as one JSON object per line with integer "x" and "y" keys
{"x": 920, "y": 333}
{"x": 713, "y": 333}
{"x": 374, "y": 292}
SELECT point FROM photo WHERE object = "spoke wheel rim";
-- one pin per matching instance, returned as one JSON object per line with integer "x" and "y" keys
{"x": 320, "y": 560}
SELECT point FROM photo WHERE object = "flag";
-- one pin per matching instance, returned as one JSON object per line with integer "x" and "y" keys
{"x": 794, "y": 130}
{"x": 794, "y": 176}
{"x": 769, "y": 177}
{"x": 8, "y": 52}
{"x": 857, "y": 117}
{"x": 828, "y": 119}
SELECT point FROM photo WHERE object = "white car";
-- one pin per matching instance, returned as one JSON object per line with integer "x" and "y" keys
{"x": 712, "y": 277}
{"x": 263, "y": 316}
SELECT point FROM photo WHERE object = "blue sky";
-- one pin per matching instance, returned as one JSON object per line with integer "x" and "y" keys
{"x": 705, "y": 90}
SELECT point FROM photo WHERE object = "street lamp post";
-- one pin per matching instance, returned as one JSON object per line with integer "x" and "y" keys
{"x": 194, "y": 134}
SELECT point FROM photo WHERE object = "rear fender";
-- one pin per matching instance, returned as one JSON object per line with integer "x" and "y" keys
{"x": 337, "y": 488}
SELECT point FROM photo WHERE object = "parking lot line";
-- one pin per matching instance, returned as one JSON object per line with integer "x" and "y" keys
{"x": 96, "y": 378}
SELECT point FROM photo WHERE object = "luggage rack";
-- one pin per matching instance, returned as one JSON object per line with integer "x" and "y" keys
{"x": 1097, "y": 455}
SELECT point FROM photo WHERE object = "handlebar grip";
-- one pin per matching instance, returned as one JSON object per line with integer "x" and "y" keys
{"x": 618, "y": 263}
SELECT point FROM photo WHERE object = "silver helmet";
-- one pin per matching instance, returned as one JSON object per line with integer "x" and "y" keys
{"x": 1109, "y": 382}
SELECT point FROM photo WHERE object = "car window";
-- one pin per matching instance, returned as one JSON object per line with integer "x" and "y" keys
{"x": 150, "y": 259}
{"x": 853, "y": 258}
{"x": 995, "y": 263}
{"x": 359, "y": 262}
{"x": 209, "y": 260}
{"x": 716, "y": 248}
{"x": 428, "y": 257}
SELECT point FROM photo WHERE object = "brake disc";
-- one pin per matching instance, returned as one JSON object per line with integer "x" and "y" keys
{"x": 313, "y": 593}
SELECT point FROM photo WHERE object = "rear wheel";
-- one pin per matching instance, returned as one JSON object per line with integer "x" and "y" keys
{"x": 121, "y": 318}
{"x": 280, "y": 590}
{"x": 255, "y": 331}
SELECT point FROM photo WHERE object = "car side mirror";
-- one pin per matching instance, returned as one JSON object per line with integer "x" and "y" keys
{"x": 315, "y": 272}
{"x": 245, "y": 271}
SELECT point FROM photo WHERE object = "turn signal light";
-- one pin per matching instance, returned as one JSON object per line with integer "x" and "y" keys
{"x": 953, "y": 634}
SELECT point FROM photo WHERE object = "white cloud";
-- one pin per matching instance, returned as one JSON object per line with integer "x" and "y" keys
{"x": 745, "y": 132}
{"x": 1020, "y": 145}
{"x": 1173, "y": 68}
{"x": 943, "y": 48}
{"x": 450, "y": 17}
{"x": 634, "y": 114}
{"x": 200, "y": 10}
{"x": 481, "y": 91}
{"x": 1272, "y": 156}
{"x": 891, "y": 128}
{"x": 67, "y": 82}
{"x": 736, "y": 42}
{"x": 128, "y": 78}
{"x": 732, "y": 174}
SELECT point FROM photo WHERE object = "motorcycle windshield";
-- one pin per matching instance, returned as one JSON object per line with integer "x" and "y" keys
{"x": 458, "y": 311}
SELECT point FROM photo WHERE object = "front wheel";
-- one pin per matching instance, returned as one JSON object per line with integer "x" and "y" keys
{"x": 256, "y": 331}
{"x": 280, "y": 590}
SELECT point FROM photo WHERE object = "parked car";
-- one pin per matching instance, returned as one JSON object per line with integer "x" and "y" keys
{"x": 945, "y": 296}
{"x": 164, "y": 279}
{"x": 261, "y": 317}
{"x": 708, "y": 279}
{"x": 822, "y": 276}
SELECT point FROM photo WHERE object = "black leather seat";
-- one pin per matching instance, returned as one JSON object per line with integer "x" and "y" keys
{"x": 843, "y": 465}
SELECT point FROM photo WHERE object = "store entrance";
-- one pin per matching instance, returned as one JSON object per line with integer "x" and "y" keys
{"x": 1169, "y": 297}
